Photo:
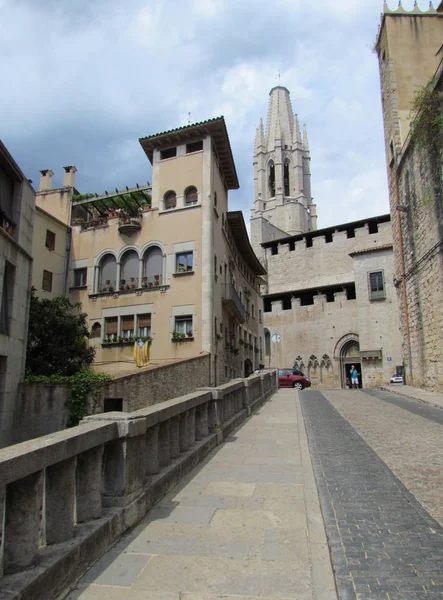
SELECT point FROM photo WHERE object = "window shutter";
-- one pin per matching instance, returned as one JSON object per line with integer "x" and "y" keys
{"x": 111, "y": 326}
{"x": 127, "y": 323}
{"x": 144, "y": 320}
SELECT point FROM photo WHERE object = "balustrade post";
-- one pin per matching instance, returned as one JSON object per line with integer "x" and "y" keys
{"x": 183, "y": 433}
{"x": 191, "y": 427}
{"x": 163, "y": 444}
{"x": 89, "y": 484}
{"x": 151, "y": 442}
{"x": 21, "y": 534}
{"x": 198, "y": 428}
{"x": 204, "y": 428}
{"x": 174, "y": 437}
{"x": 59, "y": 501}
{"x": 247, "y": 397}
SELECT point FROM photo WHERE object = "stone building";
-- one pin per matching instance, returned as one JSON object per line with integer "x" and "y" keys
{"x": 410, "y": 53}
{"x": 329, "y": 293}
{"x": 16, "y": 222}
{"x": 167, "y": 262}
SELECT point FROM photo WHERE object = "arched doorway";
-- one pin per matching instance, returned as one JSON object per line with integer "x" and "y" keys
{"x": 347, "y": 350}
{"x": 248, "y": 367}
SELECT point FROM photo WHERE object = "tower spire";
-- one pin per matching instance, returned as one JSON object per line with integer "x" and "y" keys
{"x": 305, "y": 139}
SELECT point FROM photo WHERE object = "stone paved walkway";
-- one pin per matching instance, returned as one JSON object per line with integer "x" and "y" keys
{"x": 245, "y": 525}
{"x": 384, "y": 543}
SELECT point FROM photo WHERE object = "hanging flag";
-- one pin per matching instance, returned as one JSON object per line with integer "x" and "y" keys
{"x": 141, "y": 353}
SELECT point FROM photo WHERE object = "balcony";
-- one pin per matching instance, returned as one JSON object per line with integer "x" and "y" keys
{"x": 233, "y": 304}
{"x": 129, "y": 224}
{"x": 132, "y": 284}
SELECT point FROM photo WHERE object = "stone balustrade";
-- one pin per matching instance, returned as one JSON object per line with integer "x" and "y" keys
{"x": 67, "y": 497}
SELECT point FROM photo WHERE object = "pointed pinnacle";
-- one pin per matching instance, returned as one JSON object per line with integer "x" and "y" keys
{"x": 297, "y": 133}
{"x": 305, "y": 138}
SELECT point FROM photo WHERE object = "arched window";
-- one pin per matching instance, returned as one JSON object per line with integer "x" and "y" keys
{"x": 107, "y": 273}
{"x": 153, "y": 266}
{"x": 96, "y": 330}
{"x": 271, "y": 179}
{"x": 129, "y": 269}
{"x": 191, "y": 196}
{"x": 170, "y": 200}
{"x": 286, "y": 178}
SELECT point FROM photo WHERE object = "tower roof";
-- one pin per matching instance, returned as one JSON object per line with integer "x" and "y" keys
{"x": 279, "y": 117}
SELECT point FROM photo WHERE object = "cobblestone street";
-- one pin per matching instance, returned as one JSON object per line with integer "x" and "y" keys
{"x": 378, "y": 461}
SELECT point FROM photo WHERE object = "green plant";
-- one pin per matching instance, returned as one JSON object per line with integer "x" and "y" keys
{"x": 427, "y": 116}
{"x": 83, "y": 384}
{"x": 218, "y": 336}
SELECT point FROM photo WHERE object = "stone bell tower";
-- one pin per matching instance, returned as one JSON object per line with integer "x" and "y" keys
{"x": 282, "y": 175}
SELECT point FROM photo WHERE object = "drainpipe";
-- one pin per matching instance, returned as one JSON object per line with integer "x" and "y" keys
{"x": 402, "y": 267}
{"x": 67, "y": 257}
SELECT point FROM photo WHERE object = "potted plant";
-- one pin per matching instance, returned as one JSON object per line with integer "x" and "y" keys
{"x": 189, "y": 333}
{"x": 157, "y": 279}
{"x": 111, "y": 288}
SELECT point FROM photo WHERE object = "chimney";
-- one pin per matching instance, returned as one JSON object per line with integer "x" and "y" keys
{"x": 69, "y": 176}
{"x": 46, "y": 180}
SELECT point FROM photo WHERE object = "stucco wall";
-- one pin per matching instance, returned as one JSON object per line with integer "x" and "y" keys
{"x": 40, "y": 410}
{"x": 157, "y": 385}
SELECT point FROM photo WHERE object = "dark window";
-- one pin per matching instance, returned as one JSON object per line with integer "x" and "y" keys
{"x": 350, "y": 233}
{"x": 7, "y": 297}
{"x": 287, "y": 305}
{"x": 272, "y": 179}
{"x": 170, "y": 200}
{"x": 191, "y": 196}
{"x": 373, "y": 227}
{"x": 286, "y": 179}
{"x": 184, "y": 262}
{"x": 80, "y": 277}
{"x": 376, "y": 286}
{"x": 308, "y": 242}
{"x": 194, "y": 147}
{"x": 169, "y": 153}
{"x": 144, "y": 325}
{"x": 328, "y": 237}
{"x": 47, "y": 281}
{"x": 113, "y": 405}
{"x": 183, "y": 324}
{"x": 274, "y": 250}
{"x": 96, "y": 330}
{"x": 50, "y": 240}
{"x": 215, "y": 203}
{"x": 350, "y": 292}
{"x": 6, "y": 198}
{"x": 111, "y": 328}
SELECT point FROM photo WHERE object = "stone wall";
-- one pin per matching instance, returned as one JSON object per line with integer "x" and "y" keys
{"x": 152, "y": 386}
{"x": 41, "y": 409}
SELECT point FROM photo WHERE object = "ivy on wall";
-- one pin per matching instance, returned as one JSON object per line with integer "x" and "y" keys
{"x": 84, "y": 385}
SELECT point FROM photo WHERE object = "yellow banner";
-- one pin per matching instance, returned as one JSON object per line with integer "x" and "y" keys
{"x": 141, "y": 353}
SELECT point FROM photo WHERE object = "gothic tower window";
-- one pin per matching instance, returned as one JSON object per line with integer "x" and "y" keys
{"x": 271, "y": 179}
{"x": 286, "y": 178}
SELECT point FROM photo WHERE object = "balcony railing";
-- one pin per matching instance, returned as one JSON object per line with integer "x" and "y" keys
{"x": 233, "y": 303}
{"x": 129, "y": 224}
{"x": 109, "y": 286}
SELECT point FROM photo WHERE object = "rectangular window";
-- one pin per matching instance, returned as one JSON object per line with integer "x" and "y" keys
{"x": 184, "y": 262}
{"x": 50, "y": 240}
{"x": 253, "y": 311}
{"x": 127, "y": 327}
{"x": 7, "y": 298}
{"x": 183, "y": 324}
{"x": 259, "y": 316}
{"x": 144, "y": 325}
{"x": 47, "y": 281}
{"x": 111, "y": 325}
{"x": 80, "y": 276}
{"x": 194, "y": 147}
{"x": 376, "y": 285}
{"x": 169, "y": 153}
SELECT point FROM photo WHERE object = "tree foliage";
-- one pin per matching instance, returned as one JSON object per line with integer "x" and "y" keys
{"x": 57, "y": 337}
{"x": 427, "y": 116}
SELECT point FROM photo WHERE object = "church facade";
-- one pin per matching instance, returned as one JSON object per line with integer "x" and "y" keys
{"x": 330, "y": 292}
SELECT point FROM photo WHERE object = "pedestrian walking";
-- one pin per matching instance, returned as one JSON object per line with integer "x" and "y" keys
{"x": 354, "y": 377}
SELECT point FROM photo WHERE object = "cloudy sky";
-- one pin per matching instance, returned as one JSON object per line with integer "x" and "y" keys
{"x": 84, "y": 79}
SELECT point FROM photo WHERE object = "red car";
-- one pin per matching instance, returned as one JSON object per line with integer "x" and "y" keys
{"x": 288, "y": 379}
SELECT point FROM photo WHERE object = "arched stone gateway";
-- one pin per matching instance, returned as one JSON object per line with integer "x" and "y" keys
{"x": 248, "y": 367}
{"x": 347, "y": 351}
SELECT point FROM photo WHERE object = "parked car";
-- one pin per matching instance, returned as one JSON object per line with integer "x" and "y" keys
{"x": 287, "y": 379}
{"x": 294, "y": 371}
{"x": 396, "y": 379}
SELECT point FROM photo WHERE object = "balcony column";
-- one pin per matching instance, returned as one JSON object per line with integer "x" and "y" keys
{"x": 140, "y": 272}
{"x": 96, "y": 278}
{"x": 118, "y": 275}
